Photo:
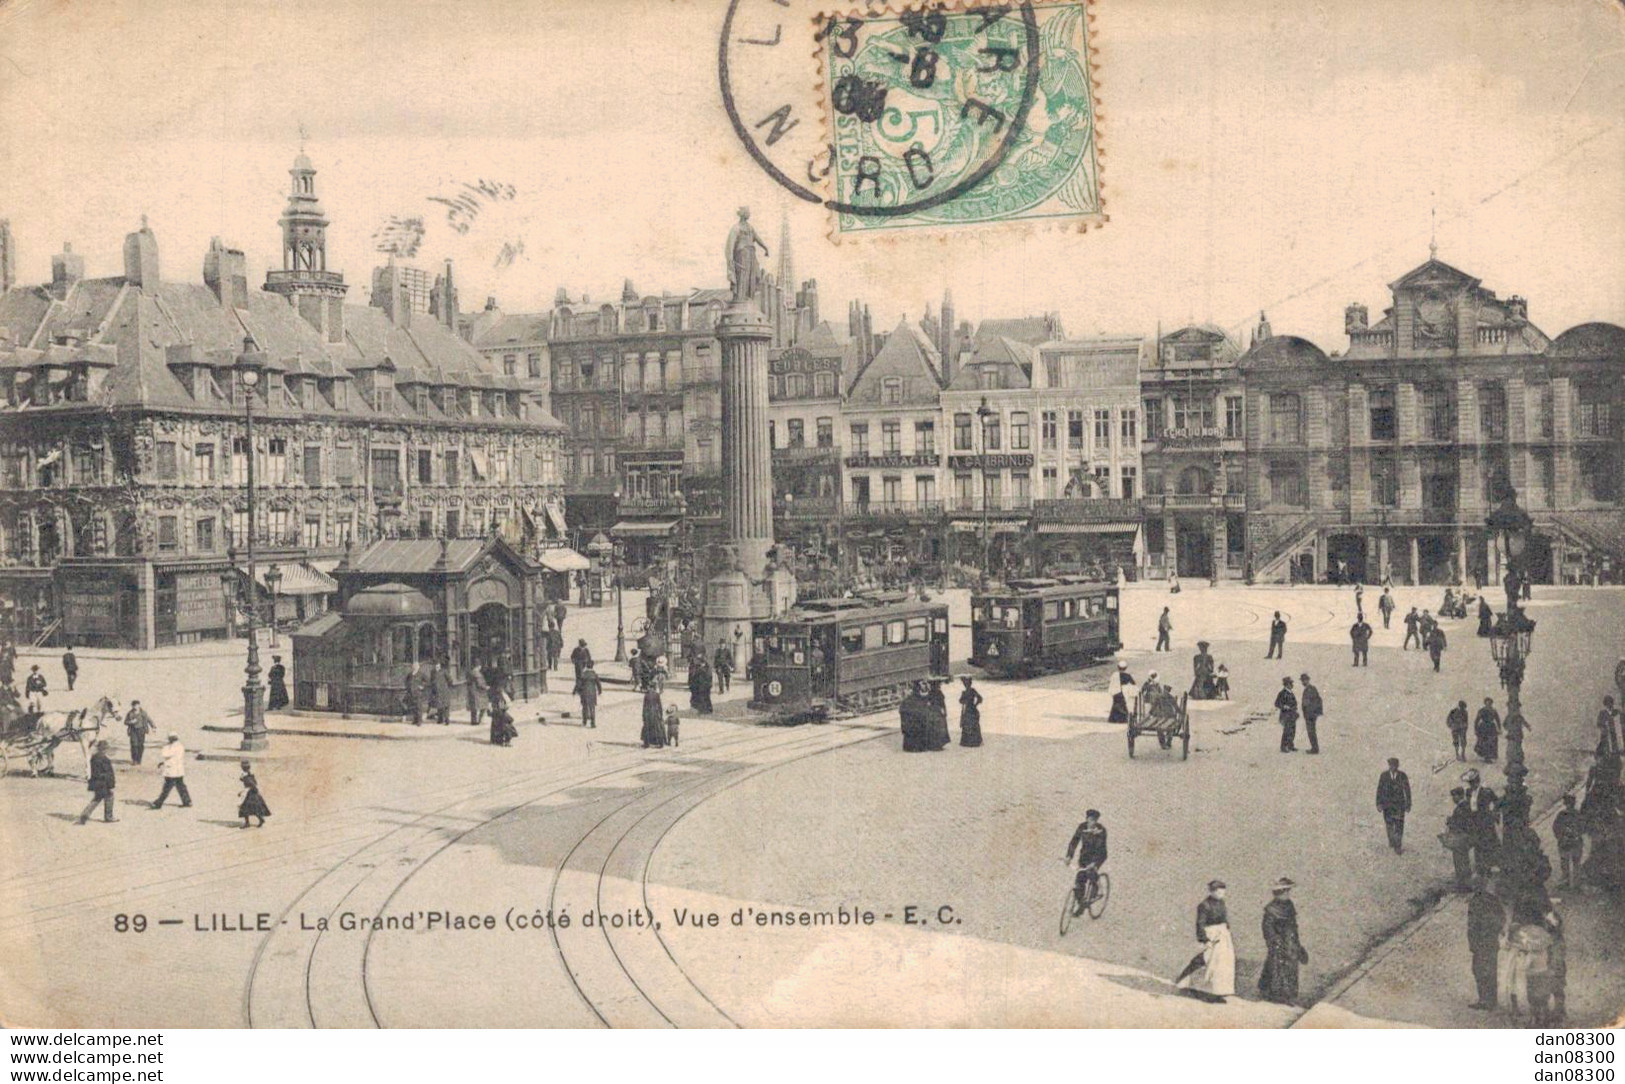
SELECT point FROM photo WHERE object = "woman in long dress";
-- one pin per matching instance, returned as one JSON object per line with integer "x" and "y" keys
{"x": 1211, "y": 974}
{"x": 503, "y": 732}
{"x": 970, "y": 716}
{"x": 277, "y": 681}
{"x": 654, "y": 720}
{"x": 941, "y": 736}
{"x": 1279, "y": 979}
{"x": 699, "y": 686}
{"x": 253, "y": 804}
{"x": 1125, "y": 681}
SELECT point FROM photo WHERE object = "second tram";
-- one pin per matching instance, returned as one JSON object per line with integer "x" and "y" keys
{"x": 1039, "y": 624}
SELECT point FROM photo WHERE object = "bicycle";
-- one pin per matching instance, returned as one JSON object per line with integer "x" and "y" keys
{"x": 1094, "y": 906}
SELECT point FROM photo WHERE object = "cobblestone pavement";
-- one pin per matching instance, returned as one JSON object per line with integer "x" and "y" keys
{"x": 436, "y": 821}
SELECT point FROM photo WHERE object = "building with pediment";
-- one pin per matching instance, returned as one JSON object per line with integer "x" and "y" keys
{"x": 1384, "y": 458}
{"x": 123, "y": 457}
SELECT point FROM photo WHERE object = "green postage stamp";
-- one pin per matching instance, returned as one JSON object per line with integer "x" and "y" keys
{"x": 950, "y": 115}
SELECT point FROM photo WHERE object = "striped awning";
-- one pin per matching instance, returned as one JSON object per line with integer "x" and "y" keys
{"x": 298, "y": 579}
{"x": 633, "y": 528}
{"x": 555, "y": 516}
{"x": 562, "y": 559}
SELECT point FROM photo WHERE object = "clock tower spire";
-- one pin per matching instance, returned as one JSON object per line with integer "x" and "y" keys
{"x": 316, "y": 292}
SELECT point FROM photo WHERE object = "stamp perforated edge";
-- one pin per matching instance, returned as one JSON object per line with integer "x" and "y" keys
{"x": 871, "y": 9}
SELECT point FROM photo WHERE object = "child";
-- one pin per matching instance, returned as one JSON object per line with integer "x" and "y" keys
{"x": 1221, "y": 682}
{"x": 671, "y": 726}
{"x": 253, "y": 805}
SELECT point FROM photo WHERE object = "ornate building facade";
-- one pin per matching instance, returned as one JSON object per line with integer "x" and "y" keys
{"x": 124, "y": 461}
{"x": 1385, "y": 459}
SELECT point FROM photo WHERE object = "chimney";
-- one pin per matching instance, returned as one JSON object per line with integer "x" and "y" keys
{"x": 1518, "y": 309}
{"x": 388, "y": 295}
{"x": 225, "y": 272}
{"x": 67, "y": 268}
{"x": 1355, "y": 318}
{"x": 443, "y": 299}
{"x": 490, "y": 303}
{"x": 141, "y": 258}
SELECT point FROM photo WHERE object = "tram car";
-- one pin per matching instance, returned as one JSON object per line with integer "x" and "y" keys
{"x": 847, "y": 656}
{"x": 1039, "y": 624}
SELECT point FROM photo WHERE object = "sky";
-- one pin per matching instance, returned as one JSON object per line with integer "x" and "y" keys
{"x": 1283, "y": 156}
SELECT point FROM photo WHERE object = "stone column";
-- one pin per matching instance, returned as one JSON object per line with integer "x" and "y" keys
{"x": 1416, "y": 561}
{"x": 747, "y": 463}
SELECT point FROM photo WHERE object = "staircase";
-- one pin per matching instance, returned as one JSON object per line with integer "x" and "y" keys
{"x": 45, "y": 633}
{"x": 1269, "y": 564}
{"x": 1594, "y": 534}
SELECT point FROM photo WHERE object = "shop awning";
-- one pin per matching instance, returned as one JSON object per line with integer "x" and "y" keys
{"x": 482, "y": 466}
{"x": 994, "y": 524}
{"x": 562, "y": 559}
{"x": 644, "y": 528}
{"x": 298, "y": 579}
{"x": 1088, "y": 528}
{"x": 555, "y": 516}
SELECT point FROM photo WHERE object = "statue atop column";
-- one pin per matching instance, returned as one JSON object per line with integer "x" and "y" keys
{"x": 744, "y": 271}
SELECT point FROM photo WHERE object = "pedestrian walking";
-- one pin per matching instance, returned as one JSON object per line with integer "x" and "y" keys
{"x": 1457, "y": 722}
{"x": 1608, "y": 735}
{"x": 70, "y": 666}
{"x": 970, "y": 715}
{"x": 173, "y": 757}
{"x": 35, "y": 691}
{"x": 723, "y": 664}
{"x": 1313, "y": 709}
{"x": 699, "y": 686}
{"x": 580, "y": 658}
{"x": 1385, "y": 607}
{"x": 1360, "y": 639}
{"x": 475, "y": 692}
{"x": 1486, "y": 921}
{"x": 1413, "y": 630}
{"x": 8, "y": 662}
{"x": 416, "y": 693}
{"x": 673, "y": 726}
{"x": 1393, "y": 802}
{"x": 1487, "y": 732}
{"x": 1486, "y": 617}
{"x": 1286, "y": 702}
{"x": 587, "y": 689}
{"x": 1211, "y": 973}
{"x": 101, "y": 784}
{"x": 276, "y": 679}
{"x": 253, "y": 803}
{"x": 1436, "y": 646}
{"x": 1165, "y": 628}
{"x": 1125, "y": 682}
{"x": 137, "y": 725}
{"x": 1284, "y": 951}
{"x": 654, "y": 720}
{"x": 1457, "y": 837}
{"x": 503, "y": 731}
{"x": 1569, "y": 831}
{"x": 441, "y": 693}
{"x": 1484, "y": 809}
{"x": 1277, "y": 649}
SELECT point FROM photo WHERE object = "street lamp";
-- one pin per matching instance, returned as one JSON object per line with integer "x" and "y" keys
{"x": 273, "y": 579}
{"x": 1214, "y": 501}
{"x": 618, "y": 564}
{"x": 983, "y": 413}
{"x": 250, "y": 369}
{"x": 1512, "y": 636}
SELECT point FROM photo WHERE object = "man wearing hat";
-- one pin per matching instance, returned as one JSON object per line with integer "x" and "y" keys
{"x": 1278, "y": 981}
{"x": 1482, "y": 807}
{"x": 1313, "y": 709}
{"x": 1286, "y": 702}
{"x": 1486, "y": 917}
{"x": 1394, "y": 801}
{"x": 1458, "y": 837}
{"x": 1457, "y": 722}
{"x": 101, "y": 784}
{"x": 173, "y": 757}
{"x": 1165, "y": 628}
{"x": 34, "y": 691}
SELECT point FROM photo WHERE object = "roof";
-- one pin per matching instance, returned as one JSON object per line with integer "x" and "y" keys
{"x": 1031, "y": 330}
{"x": 1012, "y": 360}
{"x": 1434, "y": 268}
{"x": 1283, "y": 352}
{"x": 527, "y": 327}
{"x": 389, "y": 600}
{"x": 824, "y": 338}
{"x": 909, "y": 357}
{"x": 1592, "y": 340}
{"x": 408, "y": 556}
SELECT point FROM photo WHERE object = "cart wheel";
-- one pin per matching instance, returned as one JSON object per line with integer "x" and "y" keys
{"x": 1103, "y": 892}
{"x": 1185, "y": 748}
{"x": 1131, "y": 740}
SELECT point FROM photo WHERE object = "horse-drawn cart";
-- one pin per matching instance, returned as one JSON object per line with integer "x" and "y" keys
{"x": 1157, "y": 711}
{"x": 31, "y": 738}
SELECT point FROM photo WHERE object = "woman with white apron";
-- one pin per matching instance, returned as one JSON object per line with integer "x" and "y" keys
{"x": 1211, "y": 974}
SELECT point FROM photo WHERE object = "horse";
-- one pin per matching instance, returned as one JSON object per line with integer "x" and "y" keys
{"x": 37, "y": 736}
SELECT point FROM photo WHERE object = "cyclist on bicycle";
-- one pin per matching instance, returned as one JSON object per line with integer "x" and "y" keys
{"x": 1089, "y": 844}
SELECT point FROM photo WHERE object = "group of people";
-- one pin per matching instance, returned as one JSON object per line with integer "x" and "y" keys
{"x": 1288, "y": 705}
{"x": 1424, "y": 630}
{"x": 923, "y": 713}
{"x": 102, "y": 781}
{"x": 1211, "y": 973}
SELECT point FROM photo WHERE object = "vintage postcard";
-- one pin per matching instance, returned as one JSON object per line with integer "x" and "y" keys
{"x": 812, "y": 513}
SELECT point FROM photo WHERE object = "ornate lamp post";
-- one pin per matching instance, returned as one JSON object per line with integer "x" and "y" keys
{"x": 1214, "y": 501}
{"x": 1512, "y": 636}
{"x": 273, "y": 579}
{"x": 618, "y": 564}
{"x": 250, "y": 369}
{"x": 983, "y": 413}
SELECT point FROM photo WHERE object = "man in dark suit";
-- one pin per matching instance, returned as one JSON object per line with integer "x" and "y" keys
{"x": 1486, "y": 916}
{"x": 1313, "y": 709}
{"x": 1277, "y": 649}
{"x": 101, "y": 784}
{"x": 1360, "y": 638}
{"x": 1394, "y": 801}
{"x": 1485, "y": 808}
{"x": 1286, "y": 702}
